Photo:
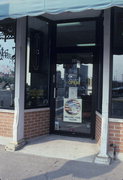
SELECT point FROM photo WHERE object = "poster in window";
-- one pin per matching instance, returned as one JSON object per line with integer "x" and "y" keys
{"x": 72, "y": 110}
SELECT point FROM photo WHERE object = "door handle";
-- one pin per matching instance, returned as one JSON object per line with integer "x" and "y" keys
{"x": 54, "y": 78}
{"x": 54, "y": 92}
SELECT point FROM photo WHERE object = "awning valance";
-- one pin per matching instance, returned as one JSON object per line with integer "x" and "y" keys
{"x": 20, "y": 8}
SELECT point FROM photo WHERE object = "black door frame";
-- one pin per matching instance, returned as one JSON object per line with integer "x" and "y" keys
{"x": 53, "y": 53}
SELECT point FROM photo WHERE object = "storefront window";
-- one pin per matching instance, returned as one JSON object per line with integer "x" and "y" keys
{"x": 117, "y": 86}
{"x": 117, "y": 57}
{"x": 37, "y": 71}
{"x": 7, "y": 63}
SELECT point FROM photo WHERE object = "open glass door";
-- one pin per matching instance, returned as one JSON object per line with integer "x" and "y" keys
{"x": 73, "y": 93}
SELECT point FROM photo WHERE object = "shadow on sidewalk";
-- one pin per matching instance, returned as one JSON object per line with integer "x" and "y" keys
{"x": 76, "y": 170}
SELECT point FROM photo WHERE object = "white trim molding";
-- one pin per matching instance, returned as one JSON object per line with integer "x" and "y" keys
{"x": 115, "y": 120}
{"x": 37, "y": 109}
{"x": 103, "y": 157}
{"x": 6, "y": 111}
{"x": 18, "y": 125}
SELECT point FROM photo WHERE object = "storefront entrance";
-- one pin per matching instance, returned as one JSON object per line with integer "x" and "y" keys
{"x": 73, "y": 93}
{"x": 74, "y": 67}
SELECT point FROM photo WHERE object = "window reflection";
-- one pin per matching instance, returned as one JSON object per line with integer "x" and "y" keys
{"x": 117, "y": 86}
{"x": 37, "y": 72}
{"x": 74, "y": 77}
{"x": 7, "y": 63}
{"x": 117, "y": 77}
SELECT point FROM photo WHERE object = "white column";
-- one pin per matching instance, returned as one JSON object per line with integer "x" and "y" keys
{"x": 18, "y": 125}
{"x": 103, "y": 157}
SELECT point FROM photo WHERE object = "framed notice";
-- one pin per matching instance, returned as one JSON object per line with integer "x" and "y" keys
{"x": 72, "y": 110}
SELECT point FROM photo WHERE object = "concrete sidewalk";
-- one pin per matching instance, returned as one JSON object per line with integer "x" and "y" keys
{"x": 18, "y": 166}
{"x": 63, "y": 147}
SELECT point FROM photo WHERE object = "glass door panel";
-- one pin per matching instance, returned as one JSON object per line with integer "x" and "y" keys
{"x": 74, "y": 76}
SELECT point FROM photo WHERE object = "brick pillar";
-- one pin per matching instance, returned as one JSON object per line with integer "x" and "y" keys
{"x": 116, "y": 135}
{"x": 98, "y": 128}
{"x": 36, "y": 122}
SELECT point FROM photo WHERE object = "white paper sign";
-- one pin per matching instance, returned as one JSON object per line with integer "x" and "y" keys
{"x": 73, "y": 92}
{"x": 72, "y": 110}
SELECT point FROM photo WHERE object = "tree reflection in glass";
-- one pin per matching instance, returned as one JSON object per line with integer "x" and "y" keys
{"x": 7, "y": 64}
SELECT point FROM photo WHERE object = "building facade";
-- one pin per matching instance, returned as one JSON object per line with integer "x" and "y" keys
{"x": 62, "y": 74}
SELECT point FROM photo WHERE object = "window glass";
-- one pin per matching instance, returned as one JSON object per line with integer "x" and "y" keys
{"x": 74, "y": 79}
{"x": 117, "y": 58}
{"x": 7, "y": 63}
{"x": 117, "y": 86}
{"x": 37, "y": 71}
{"x": 117, "y": 31}
{"x": 77, "y": 34}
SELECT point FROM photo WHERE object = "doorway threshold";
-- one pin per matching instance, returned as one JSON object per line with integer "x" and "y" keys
{"x": 62, "y": 147}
